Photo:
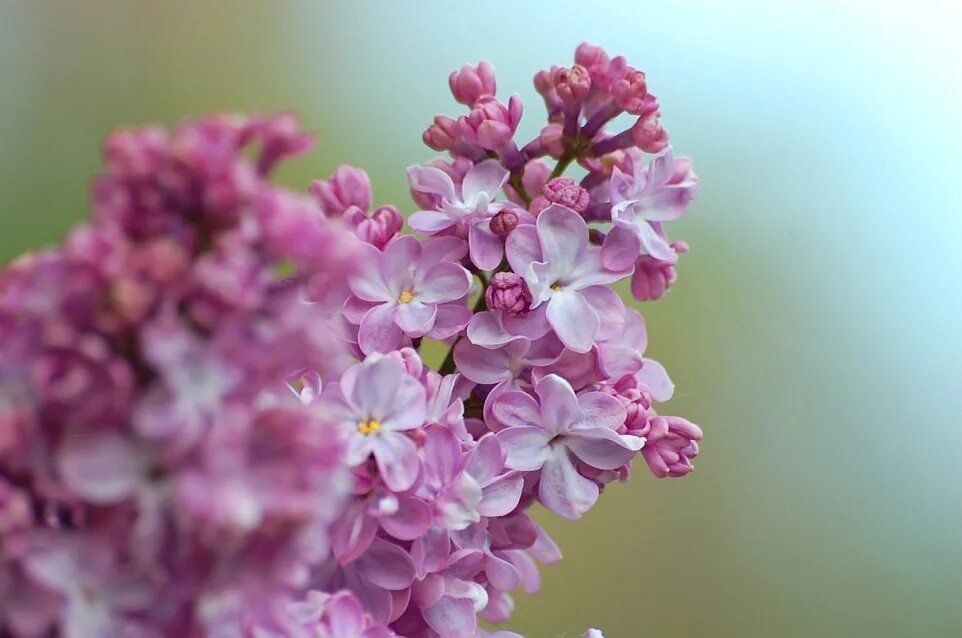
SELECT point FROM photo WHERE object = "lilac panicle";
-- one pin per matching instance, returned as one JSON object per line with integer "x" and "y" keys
{"x": 214, "y": 415}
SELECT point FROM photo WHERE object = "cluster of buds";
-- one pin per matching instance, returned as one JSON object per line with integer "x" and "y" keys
{"x": 214, "y": 415}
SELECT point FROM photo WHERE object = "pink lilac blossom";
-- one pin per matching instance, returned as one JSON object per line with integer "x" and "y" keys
{"x": 214, "y": 415}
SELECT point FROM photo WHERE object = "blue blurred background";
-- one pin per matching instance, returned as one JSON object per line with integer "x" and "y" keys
{"x": 815, "y": 329}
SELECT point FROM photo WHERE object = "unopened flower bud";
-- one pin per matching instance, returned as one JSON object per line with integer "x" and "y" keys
{"x": 442, "y": 135}
{"x": 377, "y": 228}
{"x": 631, "y": 93}
{"x": 472, "y": 83}
{"x": 347, "y": 187}
{"x": 572, "y": 85}
{"x": 567, "y": 192}
{"x": 648, "y": 133}
{"x": 503, "y": 223}
{"x": 508, "y": 292}
{"x": 491, "y": 124}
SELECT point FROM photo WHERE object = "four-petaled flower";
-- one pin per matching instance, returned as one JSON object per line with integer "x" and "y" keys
{"x": 376, "y": 402}
{"x": 563, "y": 429}
{"x": 404, "y": 285}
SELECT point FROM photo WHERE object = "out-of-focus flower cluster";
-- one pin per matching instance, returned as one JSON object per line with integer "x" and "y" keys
{"x": 214, "y": 415}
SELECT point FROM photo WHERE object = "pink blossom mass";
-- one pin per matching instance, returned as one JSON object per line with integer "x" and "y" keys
{"x": 215, "y": 415}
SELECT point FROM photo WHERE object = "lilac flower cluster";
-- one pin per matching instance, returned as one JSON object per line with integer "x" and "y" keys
{"x": 214, "y": 416}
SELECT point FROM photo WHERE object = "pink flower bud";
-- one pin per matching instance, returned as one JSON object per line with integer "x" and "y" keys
{"x": 552, "y": 136}
{"x": 491, "y": 124}
{"x": 572, "y": 85}
{"x": 347, "y": 187}
{"x": 670, "y": 445}
{"x": 377, "y": 228}
{"x": 567, "y": 192}
{"x": 591, "y": 57}
{"x": 442, "y": 135}
{"x": 653, "y": 277}
{"x": 503, "y": 223}
{"x": 508, "y": 292}
{"x": 472, "y": 83}
{"x": 631, "y": 93}
{"x": 648, "y": 133}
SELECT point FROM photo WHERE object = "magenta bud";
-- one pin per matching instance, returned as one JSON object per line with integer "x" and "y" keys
{"x": 572, "y": 85}
{"x": 472, "y": 83}
{"x": 347, "y": 187}
{"x": 503, "y": 223}
{"x": 442, "y": 135}
{"x": 630, "y": 93}
{"x": 567, "y": 192}
{"x": 491, "y": 124}
{"x": 508, "y": 292}
{"x": 648, "y": 133}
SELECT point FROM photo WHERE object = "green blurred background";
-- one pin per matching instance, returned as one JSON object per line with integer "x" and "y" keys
{"x": 814, "y": 332}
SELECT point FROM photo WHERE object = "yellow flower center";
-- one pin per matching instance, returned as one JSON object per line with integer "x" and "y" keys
{"x": 369, "y": 427}
{"x": 556, "y": 287}
{"x": 406, "y": 296}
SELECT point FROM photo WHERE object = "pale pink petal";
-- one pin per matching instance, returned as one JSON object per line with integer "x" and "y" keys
{"x": 397, "y": 459}
{"x": 522, "y": 248}
{"x": 399, "y": 261}
{"x": 386, "y": 565}
{"x": 358, "y": 449}
{"x": 603, "y": 448}
{"x": 563, "y": 234}
{"x": 487, "y": 460}
{"x": 527, "y": 447}
{"x": 408, "y": 409}
{"x": 451, "y": 319}
{"x": 502, "y": 574}
{"x": 488, "y": 177}
{"x": 429, "y": 221}
{"x": 352, "y": 534}
{"x": 368, "y": 283}
{"x": 559, "y": 404}
{"x": 620, "y": 249}
{"x": 486, "y": 248}
{"x": 412, "y": 519}
{"x": 452, "y": 617}
{"x": 415, "y": 318}
{"x": 653, "y": 243}
{"x": 517, "y": 409}
{"x": 534, "y": 326}
{"x": 562, "y": 489}
{"x": 501, "y": 496}
{"x": 655, "y": 379}
{"x": 601, "y": 410}
{"x": 378, "y": 332}
{"x": 574, "y": 320}
{"x": 482, "y": 365}
{"x": 428, "y": 179}
{"x": 610, "y": 309}
{"x": 444, "y": 282}
{"x": 373, "y": 385}
{"x": 485, "y": 330}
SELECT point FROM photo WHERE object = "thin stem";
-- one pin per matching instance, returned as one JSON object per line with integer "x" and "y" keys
{"x": 518, "y": 186}
{"x": 563, "y": 163}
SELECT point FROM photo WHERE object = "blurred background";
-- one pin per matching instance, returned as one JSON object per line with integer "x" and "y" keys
{"x": 815, "y": 330}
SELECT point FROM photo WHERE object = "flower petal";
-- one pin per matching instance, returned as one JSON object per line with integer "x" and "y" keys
{"x": 562, "y": 489}
{"x": 527, "y": 447}
{"x": 559, "y": 404}
{"x": 444, "y": 282}
{"x": 429, "y": 221}
{"x": 574, "y": 320}
{"x": 378, "y": 332}
{"x": 397, "y": 459}
{"x": 517, "y": 409}
{"x": 488, "y": 177}
{"x": 486, "y": 248}
{"x": 603, "y": 448}
{"x": 601, "y": 410}
{"x": 654, "y": 377}
{"x": 415, "y": 318}
{"x": 482, "y": 365}
{"x": 563, "y": 235}
{"x": 428, "y": 179}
